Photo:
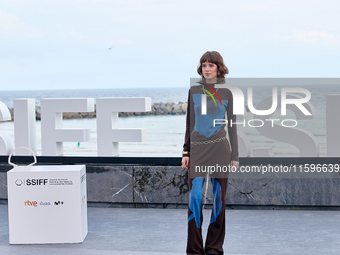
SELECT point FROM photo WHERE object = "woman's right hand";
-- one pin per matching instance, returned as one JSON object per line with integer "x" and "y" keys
{"x": 185, "y": 162}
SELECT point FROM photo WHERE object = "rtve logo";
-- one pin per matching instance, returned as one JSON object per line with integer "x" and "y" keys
{"x": 31, "y": 203}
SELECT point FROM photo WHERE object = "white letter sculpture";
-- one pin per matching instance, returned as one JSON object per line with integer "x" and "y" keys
{"x": 52, "y": 133}
{"x": 333, "y": 123}
{"x": 6, "y": 143}
{"x": 24, "y": 125}
{"x": 302, "y": 139}
{"x": 108, "y": 133}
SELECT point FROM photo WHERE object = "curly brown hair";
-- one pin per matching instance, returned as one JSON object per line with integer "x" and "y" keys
{"x": 216, "y": 58}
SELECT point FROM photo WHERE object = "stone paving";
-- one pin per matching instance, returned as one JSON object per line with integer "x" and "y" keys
{"x": 140, "y": 231}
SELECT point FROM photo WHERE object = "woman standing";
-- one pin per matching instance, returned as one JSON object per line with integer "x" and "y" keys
{"x": 206, "y": 148}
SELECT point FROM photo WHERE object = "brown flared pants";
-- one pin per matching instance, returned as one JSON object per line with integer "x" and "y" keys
{"x": 216, "y": 229}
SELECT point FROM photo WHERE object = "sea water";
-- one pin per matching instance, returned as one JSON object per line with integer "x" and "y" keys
{"x": 165, "y": 133}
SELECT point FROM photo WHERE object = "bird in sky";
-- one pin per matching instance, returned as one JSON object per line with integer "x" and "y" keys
{"x": 111, "y": 47}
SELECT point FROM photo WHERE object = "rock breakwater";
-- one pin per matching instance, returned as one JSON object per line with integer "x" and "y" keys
{"x": 169, "y": 108}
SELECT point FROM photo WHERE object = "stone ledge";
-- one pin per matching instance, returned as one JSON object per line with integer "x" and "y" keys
{"x": 167, "y": 186}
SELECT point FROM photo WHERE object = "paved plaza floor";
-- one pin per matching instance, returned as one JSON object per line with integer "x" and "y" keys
{"x": 137, "y": 231}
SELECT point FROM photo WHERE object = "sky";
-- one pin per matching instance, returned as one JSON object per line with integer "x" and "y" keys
{"x": 88, "y": 44}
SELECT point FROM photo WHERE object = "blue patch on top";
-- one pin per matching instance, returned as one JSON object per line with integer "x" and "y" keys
{"x": 204, "y": 124}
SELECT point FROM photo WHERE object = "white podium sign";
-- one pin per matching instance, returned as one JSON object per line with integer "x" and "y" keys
{"x": 47, "y": 204}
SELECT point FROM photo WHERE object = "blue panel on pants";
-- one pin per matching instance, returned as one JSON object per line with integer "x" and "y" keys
{"x": 218, "y": 203}
{"x": 195, "y": 200}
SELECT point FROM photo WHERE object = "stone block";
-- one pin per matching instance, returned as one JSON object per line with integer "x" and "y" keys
{"x": 160, "y": 184}
{"x": 109, "y": 184}
{"x": 3, "y": 185}
{"x": 284, "y": 191}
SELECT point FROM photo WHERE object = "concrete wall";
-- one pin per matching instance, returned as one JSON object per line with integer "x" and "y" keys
{"x": 167, "y": 186}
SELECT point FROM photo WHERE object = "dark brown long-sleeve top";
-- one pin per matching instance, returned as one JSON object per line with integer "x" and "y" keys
{"x": 227, "y": 98}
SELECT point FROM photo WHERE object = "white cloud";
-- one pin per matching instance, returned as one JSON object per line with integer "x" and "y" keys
{"x": 68, "y": 34}
{"x": 12, "y": 28}
{"x": 120, "y": 42}
{"x": 313, "y": 36}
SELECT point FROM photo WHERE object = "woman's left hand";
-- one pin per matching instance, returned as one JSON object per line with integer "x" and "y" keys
{"x": 234, "y": 165}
